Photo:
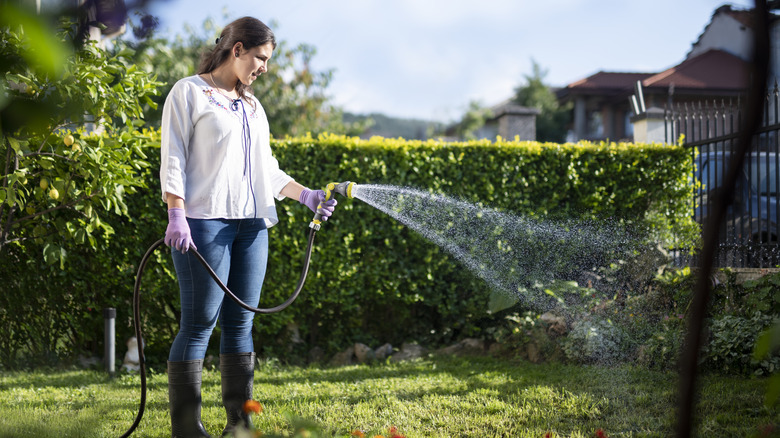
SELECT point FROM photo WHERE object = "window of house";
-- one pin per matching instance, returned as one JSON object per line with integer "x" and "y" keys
{"x": 628, "y": 127}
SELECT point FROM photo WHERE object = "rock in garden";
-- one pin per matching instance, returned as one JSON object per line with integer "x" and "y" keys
{"x": 343, "y": 358}
{"x": 466, "y": 347}
{"x": 556, "y": 325}
{"x": 408, "y": 352}
{"x": 383, "y": 352}
{"x": 363, "y": 353}
{"x": 532, "y": 352}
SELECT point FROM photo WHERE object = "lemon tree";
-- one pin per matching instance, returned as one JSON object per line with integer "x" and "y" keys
{"x": 73, "y": 144}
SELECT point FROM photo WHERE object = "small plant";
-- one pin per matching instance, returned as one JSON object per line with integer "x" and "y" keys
{"x": 594, "y": 341}
{"x": 731, "y": 345}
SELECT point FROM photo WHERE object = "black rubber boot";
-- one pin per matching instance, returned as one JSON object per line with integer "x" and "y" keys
{"x": 238, "y": 372}
{"x": 184, "y": 379}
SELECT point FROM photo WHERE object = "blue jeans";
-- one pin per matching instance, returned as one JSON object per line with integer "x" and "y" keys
{"x": 237, "y": 250}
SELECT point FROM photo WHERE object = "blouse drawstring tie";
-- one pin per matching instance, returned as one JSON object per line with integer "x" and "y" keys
{"x": 247, "y": 144}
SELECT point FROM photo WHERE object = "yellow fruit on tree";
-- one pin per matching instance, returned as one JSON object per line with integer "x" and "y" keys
{"x": 54, "y": 193}
{"x": 69, "y": 140}
{"x": 44, "y": 183}
{"x": 75, "y": 148}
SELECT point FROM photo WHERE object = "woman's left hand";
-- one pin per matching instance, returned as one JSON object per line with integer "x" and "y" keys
{"x": 315, "y": 200}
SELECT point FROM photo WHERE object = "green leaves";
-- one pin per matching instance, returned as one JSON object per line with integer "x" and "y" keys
{"x": 386, "y": 283}
{"x": 55, "y": 169}
{"x": 42, "y": 50}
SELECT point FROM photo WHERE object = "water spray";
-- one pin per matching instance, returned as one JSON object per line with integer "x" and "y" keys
{"x": 344, "y": 189}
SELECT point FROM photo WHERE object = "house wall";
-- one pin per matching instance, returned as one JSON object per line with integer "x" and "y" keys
{"x": 727, "y": 34}
{"x": 522, "y": 126}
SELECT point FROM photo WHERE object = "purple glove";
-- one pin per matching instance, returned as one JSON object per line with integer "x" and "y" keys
{"x": 314, "y": 200}
{"x": 178, "y": 232}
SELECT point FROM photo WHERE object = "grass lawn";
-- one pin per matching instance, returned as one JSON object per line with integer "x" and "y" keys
{"x": 434, "y": 397}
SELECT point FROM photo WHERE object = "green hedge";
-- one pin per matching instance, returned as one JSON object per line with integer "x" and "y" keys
{"x": 371, "y": 280}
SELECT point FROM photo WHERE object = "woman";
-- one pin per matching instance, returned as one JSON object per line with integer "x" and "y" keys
{"x": 219, "y": 180}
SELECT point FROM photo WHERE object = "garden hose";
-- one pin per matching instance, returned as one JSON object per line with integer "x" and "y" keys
{"x": 344, "y": 189}
{"x": 137, "y": 309}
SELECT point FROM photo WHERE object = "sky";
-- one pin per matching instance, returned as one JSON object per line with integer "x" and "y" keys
{"x": 428, "y": 59}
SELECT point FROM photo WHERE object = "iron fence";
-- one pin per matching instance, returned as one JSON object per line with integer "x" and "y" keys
{"x": 748, "y": 237}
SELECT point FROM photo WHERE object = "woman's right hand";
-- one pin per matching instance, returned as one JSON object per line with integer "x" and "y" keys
{"x": 178, "y": 232}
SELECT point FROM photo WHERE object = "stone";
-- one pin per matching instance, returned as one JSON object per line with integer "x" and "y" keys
{"x": 556, "y": 325}
{"x": 343, "y": 358}
{"x": 466, "y": 347}
{"x": 532, "y": 351}
{"x": 89, "y": 362}
{"x": 409, "y": 352}
{"x": 383, "y": 352}
{"x": 363, "y": 353}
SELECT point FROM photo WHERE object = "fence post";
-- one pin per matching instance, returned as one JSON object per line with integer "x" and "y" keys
{"x": 109, "y": 339}
{"x": 650, "y": 126}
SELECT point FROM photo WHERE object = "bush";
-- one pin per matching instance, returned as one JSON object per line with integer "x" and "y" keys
{"x": 388, "y": 284}
{"x": 595, "y": 341}
{"x": 372, "y": 280}
{"x": 736, "y": 317}
{"x": 731, "y": 343}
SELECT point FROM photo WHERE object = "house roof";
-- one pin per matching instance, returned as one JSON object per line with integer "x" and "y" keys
{"x": 609, "y": 80}
{"x": 745, "y": 17}
{"x": 742, "y": 16}
{"x": 712, "y": 70}
{"x": 603, "y": 83}
{"x": 509, "y": 107}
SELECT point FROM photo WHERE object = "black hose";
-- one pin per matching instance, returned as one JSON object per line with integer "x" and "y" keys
{"x": 137, "y": 309}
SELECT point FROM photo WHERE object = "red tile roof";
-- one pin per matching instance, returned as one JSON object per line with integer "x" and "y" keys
{"x": 609, "y": 80}
{"x": 712, "y": 70}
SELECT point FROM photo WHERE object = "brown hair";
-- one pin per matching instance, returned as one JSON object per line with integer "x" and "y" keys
{"x": 250, "y": 32}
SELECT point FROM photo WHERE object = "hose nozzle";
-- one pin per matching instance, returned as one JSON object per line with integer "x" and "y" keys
{"x": 343, "y": 188}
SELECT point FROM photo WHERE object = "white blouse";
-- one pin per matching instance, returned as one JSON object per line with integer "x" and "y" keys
{"x": 221, "y": 166}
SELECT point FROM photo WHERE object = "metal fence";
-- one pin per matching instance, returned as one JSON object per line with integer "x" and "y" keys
{"x": 749, "y": 235}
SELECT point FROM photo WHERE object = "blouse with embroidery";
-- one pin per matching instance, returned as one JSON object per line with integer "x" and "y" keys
{"x": 216, "y": 154}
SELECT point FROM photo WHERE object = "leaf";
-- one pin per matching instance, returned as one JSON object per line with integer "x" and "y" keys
{"x": 16, "y": 145}
{"x": 46, "y": 163}
{"x": 51, "y": 253}
{"x": 768, "y": 341}
{"x": 499, "y": 301}
{"x": 772, "y": 390}
{"x": 45, "y": 52}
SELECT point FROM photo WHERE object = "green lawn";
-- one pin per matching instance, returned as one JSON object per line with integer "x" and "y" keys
{"x": 435, "y": 397}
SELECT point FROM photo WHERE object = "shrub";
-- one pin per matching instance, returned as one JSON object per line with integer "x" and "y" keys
{"x": 731, "y": 343}
{"x": 372, "y": 280}
{"x": 595, "y": 341}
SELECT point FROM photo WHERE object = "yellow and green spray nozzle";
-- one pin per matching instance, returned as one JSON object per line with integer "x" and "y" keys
{"x": 345, "y": 189}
